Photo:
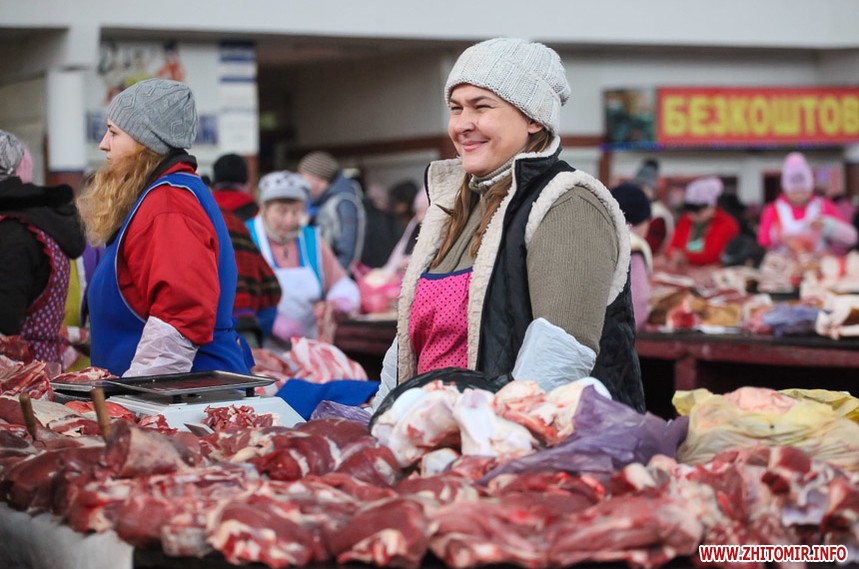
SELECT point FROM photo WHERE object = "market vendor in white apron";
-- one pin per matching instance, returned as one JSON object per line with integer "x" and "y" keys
{"x": 161, "y": 299}
{"x": 799, "y": 221}
{"x": 521, "y": 267}
{"x": 306, "y": 268}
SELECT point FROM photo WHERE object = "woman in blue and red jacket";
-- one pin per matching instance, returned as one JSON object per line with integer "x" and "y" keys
{"x": 161, "y": 299}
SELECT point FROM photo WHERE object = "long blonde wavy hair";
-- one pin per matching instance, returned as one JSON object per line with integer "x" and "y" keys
{"x": 111, "y": 192}
{"x": 466, "y": 200}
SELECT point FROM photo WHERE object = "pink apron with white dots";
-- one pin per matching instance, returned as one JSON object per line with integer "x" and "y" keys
{"x": 438, "y": 326}
{"x": 41, "y": 325}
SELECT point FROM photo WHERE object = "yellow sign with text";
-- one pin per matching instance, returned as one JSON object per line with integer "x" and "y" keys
{"x": 743, "y": 117}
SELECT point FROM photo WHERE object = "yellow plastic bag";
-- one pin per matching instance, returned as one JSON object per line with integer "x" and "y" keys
{"x": 719, "y": 422}
{"x": 843, "y": 403}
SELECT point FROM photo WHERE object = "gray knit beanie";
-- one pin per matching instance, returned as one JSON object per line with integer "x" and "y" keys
{"x": 529, "y": 76}
{"x": 11, "y": 154}
{"x": 158, "y": 113}
{"x": 283, "y": 185}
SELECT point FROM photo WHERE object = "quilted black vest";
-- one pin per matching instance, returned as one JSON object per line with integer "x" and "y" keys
{"x": 507, "y": 308}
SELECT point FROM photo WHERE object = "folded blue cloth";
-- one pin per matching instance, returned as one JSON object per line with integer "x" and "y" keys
{"x": 304, "y": 396}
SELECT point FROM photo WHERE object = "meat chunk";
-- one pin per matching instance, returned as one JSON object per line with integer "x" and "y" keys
{"x": 387, "y": 533}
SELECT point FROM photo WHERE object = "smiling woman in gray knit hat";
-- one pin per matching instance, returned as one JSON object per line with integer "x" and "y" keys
{"x": 521, "y": 266}
{"x": 161, "y": 299}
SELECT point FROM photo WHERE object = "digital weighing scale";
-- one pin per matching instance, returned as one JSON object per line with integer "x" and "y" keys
{"x": 183, "y": 397}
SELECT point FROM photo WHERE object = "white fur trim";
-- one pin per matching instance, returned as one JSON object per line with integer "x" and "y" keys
{"x": 560, "y": 185}
{"x": 445, "y": 178}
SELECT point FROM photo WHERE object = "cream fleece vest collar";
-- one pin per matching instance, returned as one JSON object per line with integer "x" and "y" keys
{"x": 444, "y": 178}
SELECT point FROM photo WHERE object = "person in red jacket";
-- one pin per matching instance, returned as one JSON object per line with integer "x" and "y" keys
{"x": 704, "y": 229}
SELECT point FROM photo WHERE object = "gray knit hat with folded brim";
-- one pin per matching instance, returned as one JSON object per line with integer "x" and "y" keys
{"x": 158, "y": 113}
{"x": 11, "y": 154}
{"x": 529, "y": 76}
{"x": 283, "y": 185}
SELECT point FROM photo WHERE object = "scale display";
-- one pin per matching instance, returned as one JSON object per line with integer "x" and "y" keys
{"x": 176, "y": 384}
{"x": 172, "y": 385}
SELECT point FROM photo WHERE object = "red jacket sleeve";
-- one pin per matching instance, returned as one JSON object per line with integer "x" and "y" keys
{"x": 168, "y": 267}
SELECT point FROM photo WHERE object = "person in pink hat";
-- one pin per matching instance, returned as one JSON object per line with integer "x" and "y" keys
{"x": 704, "y": 229}
{"x": 800, "y": 222}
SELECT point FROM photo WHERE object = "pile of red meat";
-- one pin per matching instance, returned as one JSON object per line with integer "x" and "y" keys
{"x": 327, "y": 490}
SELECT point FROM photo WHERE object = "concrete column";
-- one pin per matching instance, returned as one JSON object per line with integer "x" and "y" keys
{"x": 66, "y": 129}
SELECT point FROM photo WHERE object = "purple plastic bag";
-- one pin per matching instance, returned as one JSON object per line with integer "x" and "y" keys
{"x": 607, "y": 436}
{"x": 791, "y": 320}
{"x": 333, "y": 410}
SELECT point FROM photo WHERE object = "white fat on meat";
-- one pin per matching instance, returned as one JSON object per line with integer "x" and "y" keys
{"x": 438, "y": 461}
{"x": 549, "y": 416}
{"x": 423, "y": 421}
{"x": 524, "y": 402}
{"x": 258, "y": 444}
{"x": 483, "y": 433}
{"x": 47, "y": 411}
{"x": 638, "y": 477}
{"x": 839, "y": 317}
{"x": 566, "y": 399}
{"x": 378, "y": 548}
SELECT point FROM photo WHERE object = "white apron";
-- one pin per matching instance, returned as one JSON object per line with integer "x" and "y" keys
{"x": 300, "y": 288}
{"x": 790, "y": 226}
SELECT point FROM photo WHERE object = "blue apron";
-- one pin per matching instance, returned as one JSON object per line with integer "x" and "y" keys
{"x": 116, "y": 329}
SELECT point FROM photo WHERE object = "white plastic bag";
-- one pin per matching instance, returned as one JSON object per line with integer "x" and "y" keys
{"x": 552, "y": 357}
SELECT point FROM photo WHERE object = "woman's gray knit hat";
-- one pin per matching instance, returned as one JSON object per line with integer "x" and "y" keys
{"x": 11, "y": 154}
{"x": 529, "y": 76}
{"x": 158, "y": 113}
{"x": 284, "y": 185}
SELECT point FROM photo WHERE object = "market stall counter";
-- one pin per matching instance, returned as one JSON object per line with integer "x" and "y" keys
{"x": 599, "y": 481}
{"x": 679, "y": 361}
{"x": 722, "y": 362}
{"x": 365, "y": 339}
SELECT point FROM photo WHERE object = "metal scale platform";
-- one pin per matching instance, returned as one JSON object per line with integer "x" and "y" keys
{"x": 183, "y": 397}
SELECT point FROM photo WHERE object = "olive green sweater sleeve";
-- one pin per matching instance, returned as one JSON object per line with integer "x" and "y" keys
{"x": 571, "y": 260}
